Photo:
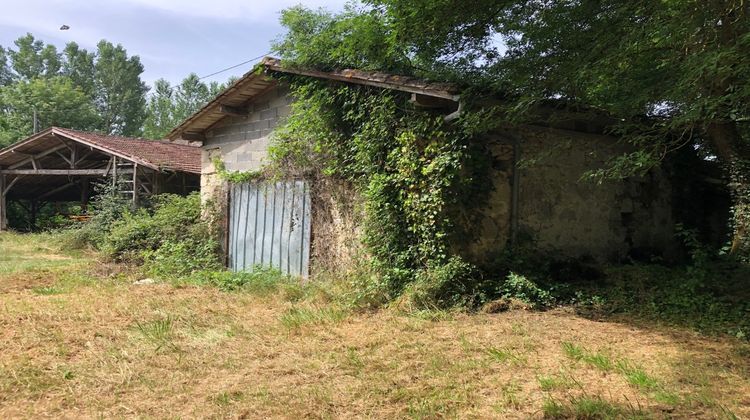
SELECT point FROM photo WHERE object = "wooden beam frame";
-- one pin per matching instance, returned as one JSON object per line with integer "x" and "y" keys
{"x": 3, "y": 207}
{"x": 62, "y": 172}
{"x": 10, "y": 184}
{"x": 35, "y": 157}
{"x": 56, "y": 190}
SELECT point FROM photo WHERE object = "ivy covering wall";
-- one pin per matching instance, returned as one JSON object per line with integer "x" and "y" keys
{"x": 410, "y": 166}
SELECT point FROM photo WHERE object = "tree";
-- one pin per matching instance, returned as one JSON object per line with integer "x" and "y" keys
{"x": 168, "y": 106}
{"x": 6, "y": 77}
{"x": 56, "y": 101}
{"x": 160, "y": 111}
{"x": 190, "y": 96}
{"x": 673, "y": 72}
{"x": 33, "y": 59}
{"x": 78, "y": 65}
{"x": 120, "y": 95}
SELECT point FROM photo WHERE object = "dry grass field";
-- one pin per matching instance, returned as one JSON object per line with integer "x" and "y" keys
{"x": 78, "y": 339}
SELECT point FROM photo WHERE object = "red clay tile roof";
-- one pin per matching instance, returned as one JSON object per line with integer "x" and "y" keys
{"x": 155, "y": 153}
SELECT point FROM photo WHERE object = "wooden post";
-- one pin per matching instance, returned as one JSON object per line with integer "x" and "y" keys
{"x": 155, "y": 183}
{"x": 135, "y": 185}
{"x": 114, "y": 171}
{"x": 84, "y": 195}
{"x": 3, "y": 210}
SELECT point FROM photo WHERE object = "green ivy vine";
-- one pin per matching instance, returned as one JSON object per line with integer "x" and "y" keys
{"x": 235, "y": 177}
{"x": 411, "y": 167}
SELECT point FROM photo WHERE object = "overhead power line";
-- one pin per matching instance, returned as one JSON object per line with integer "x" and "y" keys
{"x": 234, "y": 66}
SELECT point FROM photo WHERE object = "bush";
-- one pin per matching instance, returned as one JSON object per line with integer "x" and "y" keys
{"x": 260, "y": 281}
{"x": 107, "y": 207}
{"x": 712, "y": 299}
{"x": 182, "y": 258}
{"x": 443, "y": 286}
{"x": 171, "y": 218}
{"x": 521, "y": 288}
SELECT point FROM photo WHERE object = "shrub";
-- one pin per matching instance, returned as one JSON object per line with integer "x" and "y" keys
{"x": 182, "y": 258}
{"x": 172, "y": 218}
{"x": 261, "y": 281}
{"x": 444, "y": 286}
{"x": 107, "y": 207}
{"x": 519, "y": 287}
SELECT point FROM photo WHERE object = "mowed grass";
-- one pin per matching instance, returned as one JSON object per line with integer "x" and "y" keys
{"x": 80, "y": 340}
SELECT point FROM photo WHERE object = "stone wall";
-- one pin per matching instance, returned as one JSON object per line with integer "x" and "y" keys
{"x": 577, "y": 217}
{"x": 567, "y": 216}
{"x": 557, "y": 211}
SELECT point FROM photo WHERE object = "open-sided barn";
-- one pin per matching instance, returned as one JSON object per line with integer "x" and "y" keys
{"x": 61, "y": 165}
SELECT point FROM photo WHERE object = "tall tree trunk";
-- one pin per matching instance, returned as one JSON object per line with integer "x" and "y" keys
{"x": 727, "y": 143}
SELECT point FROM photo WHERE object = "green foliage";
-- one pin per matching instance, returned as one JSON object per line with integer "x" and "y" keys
{"x": 666, "y": 74}
{"x": 235, "y": 177}
{"x": 410, "y": 168}
{"x": 77, "y": 89}
{"x": 120, "y": 94}
{"x": 444, "y": 286}
{"x": 261, "y": 281}
{"x": 107, "y": 206}
{"x": 168, "y": 106}
{"x": 172, "y": 221}
{"x": 519, "y": 287}
{"x": 355, "y": 38}
{"x": 178, "y": 258}
{"x": 32, "y": 59}
{"x": 712, "y": 298}
{"x": 56, "y": 100}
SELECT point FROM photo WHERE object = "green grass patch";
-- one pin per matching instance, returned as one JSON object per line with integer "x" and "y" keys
{"x": 159, "y": 332}
{"x": 47, "y": 290}
{"x": 505, "y": 355}
{"x": 553, "y": 382}
{"x": 589, "y": 407}
{"x": 598, "y": 360}
{"x": 573, "y": 351}
{"x": 297, "y": 317}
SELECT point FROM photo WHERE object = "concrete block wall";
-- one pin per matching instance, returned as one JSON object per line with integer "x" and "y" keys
{"x": 242, "y": 141}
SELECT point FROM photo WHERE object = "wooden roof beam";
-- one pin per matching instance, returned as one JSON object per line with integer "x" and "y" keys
{"x": 434, "y": 102}
{"x": 66, "y": 172}
{"x": 237, "y": 111}
{"x": 37, "y": 156}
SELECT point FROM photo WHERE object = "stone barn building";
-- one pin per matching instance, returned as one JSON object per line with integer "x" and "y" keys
{"x": 545, "y": 202}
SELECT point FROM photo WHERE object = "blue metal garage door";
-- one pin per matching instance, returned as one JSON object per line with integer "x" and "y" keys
{"x": 269, "y": 226}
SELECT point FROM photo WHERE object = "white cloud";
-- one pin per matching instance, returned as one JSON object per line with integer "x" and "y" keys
{"x": 248, "y": 10}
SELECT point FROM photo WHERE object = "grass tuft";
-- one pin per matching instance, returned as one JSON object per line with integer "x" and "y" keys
{"x": 573, "y": 351}
{"x": 505, "y": 355}
{"x": 297, "y": 317}
{"x": 46, "y": 290}
{"x": 159, "y": 332}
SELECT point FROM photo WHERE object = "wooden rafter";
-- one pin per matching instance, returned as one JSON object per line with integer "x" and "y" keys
{"x": 36, "y": 157}
{"x": 11, "y": 184}
{"x": 68, "y": 172}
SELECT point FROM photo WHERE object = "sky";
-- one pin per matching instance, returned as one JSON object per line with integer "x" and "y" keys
{"x": 172, "y": 37}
